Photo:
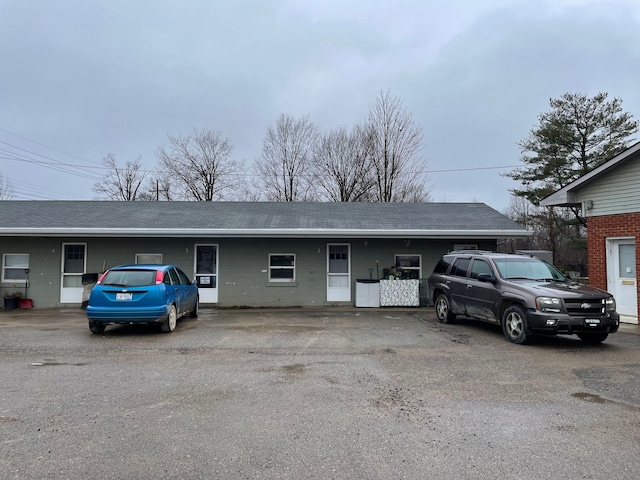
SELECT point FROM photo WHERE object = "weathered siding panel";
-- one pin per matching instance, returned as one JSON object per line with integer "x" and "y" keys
{"x": 616, "y": 192}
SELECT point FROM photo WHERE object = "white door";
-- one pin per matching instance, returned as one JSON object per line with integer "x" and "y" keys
{"x": 74, "y": 263}
{"x": 338, "y": 272}
{"x": 206, "y": 272}
{"x": 621, "y": 277}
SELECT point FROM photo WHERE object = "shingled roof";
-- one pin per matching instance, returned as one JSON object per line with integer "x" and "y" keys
{"x": 254, "y": 219}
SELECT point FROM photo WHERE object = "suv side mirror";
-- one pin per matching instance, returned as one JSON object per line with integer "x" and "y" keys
{"x": 485, "y": 277}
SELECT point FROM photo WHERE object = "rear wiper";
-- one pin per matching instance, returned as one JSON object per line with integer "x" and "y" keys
{"x": 115, "y": 284}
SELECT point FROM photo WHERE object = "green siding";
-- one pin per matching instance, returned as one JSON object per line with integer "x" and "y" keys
{"x": 242, "y": 264}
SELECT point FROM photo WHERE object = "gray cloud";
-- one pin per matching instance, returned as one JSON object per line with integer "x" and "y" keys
{"x": 92, "y": 78}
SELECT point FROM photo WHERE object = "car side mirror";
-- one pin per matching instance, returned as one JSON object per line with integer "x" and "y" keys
{"x": 485, "y": 277}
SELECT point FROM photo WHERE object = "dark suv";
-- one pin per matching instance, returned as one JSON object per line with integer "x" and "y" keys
{"x": 523, "y": 294}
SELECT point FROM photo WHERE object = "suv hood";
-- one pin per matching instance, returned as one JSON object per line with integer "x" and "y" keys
{"x": 567, "y": 289}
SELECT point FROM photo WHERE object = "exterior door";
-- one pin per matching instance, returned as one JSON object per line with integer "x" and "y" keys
{"x": 206, "y": 272}
{"x": 621, "y": 276}
{"x": 481, "y": 296}
{"x": 74, "y": 264}
{"x": 338, "y": 272}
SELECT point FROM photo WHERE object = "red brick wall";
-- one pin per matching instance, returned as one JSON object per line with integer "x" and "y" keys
{"x": 601, "y": 228}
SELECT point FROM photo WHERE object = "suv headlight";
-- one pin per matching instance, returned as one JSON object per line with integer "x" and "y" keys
{"x": 610, "y": 304}
{"x": 549, "y": 304}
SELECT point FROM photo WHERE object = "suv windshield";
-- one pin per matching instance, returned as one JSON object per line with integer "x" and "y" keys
{"x": 527, "y": 269}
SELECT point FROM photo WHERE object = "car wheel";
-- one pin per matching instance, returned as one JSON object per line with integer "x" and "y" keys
{"x": 593, "y": 338}
{"x": 443, "y": 309}
{"x": 169, "y": 324}
{"x": 515, "y": 325}
{"x": 96, "y": 327}
{"x": 194, "y": 312}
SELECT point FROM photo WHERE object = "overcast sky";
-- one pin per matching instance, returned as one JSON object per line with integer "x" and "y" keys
{"x": 82, "y": 79}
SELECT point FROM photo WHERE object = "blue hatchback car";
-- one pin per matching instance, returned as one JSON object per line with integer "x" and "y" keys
{"x": 142, "y": 294}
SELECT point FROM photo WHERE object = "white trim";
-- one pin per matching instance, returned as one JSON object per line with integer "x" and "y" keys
{"x": 263, "y": 233}
{"x": 148, "y": 255}
{"x": 71, "y": 294}
{"x": 566, "y": 196}
{"x": 281, "y": 267}
{"x": 14, "y": 267}
{"x": 419, "y": 269}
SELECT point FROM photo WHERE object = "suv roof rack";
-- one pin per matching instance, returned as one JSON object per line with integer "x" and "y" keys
{"x": 474, "y": 252}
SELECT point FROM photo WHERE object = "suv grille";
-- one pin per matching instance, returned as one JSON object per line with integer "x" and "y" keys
{"x": 581, "y": 308}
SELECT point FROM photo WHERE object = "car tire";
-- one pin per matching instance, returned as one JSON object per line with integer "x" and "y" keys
{"x": 96, "y": 327}
{"x": 194, "y": 312}
{"x": 170, "y": 322}
{"x": 443, "y": 309}
{"x": 593, "y": 338}
{"x": 515, "y": 325}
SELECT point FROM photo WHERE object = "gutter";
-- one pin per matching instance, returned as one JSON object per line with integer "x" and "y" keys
{"x": 259, "y": 233}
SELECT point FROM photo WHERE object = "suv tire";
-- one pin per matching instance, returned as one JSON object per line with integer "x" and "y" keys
{"x": 515, "y": 326}
{"x": 443, "y": 309}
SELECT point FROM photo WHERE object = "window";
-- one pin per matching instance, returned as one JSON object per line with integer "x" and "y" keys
{"x": 465, "y": 246}
{"x": 443, "y": 264}
{"x": 14, "y": 267}
{"x": 460, "y": 267}
{"x": 149, "y": 258}
{"x": 282, "y": 267}
{"x": 409, "y": 265}
{"x": 479, "y": 267}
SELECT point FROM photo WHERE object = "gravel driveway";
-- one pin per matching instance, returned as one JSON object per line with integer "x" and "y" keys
{"x": 338, "y": 393}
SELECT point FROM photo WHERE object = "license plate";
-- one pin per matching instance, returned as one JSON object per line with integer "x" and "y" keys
{"x": 124, "y": 296}
{"x": 592, "y": 322}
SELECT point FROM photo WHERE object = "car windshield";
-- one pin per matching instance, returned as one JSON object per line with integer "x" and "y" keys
{"x": 130, "y": 278}
{"x": 528, "y": 269}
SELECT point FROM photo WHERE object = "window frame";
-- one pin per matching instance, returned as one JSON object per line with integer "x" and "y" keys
{"x": 15, "y": 267}
{"x": 411, "y": 269}
{"x": 271, "y": 268}
{"x": 157, "y": 255}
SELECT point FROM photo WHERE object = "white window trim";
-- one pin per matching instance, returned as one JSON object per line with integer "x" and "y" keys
{"x": 287, "y": 267}
{"x": 419, "y": 269}
{"x": 149, "y": 255}
{"x": 5, "y": 268}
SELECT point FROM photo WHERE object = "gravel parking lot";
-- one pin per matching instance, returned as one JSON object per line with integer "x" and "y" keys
{"x": 338, "y": 393}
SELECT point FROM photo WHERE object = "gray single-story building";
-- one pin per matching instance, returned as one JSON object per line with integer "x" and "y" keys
{"x": 254, "y": 254}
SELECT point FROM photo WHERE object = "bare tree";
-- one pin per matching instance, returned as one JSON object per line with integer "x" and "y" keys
{"x": 341, "y": 168}
{"x": 287, "y": 152}
{"x": 121, "y": 183}
{"x": 199, "y": 166}
{"x": 158, "y": 188}
{"x": 6, "y": 191}
{"x": 393, "y": 143}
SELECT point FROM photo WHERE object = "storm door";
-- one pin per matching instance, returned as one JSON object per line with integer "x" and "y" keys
{"x": 206, "y": 268}
{"x": 338, "y": 272}
{"x": 621, "y": 276}
{"x": 74, "y": 264}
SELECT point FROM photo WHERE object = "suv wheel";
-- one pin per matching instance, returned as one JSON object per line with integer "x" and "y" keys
{"x": 515, "y": 326}
{"x": 593, "y": 338}
{"x": 443, "y": 309}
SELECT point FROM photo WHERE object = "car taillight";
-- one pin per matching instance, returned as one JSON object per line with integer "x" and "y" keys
{"x": 102, "y": 277}
{"x": 159, "y": 276}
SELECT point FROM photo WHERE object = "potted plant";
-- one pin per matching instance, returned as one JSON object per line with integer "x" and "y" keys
{"x": 11, "y": 300}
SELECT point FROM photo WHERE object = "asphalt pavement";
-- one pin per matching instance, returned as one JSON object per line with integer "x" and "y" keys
{"x": 337, "y": 393}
